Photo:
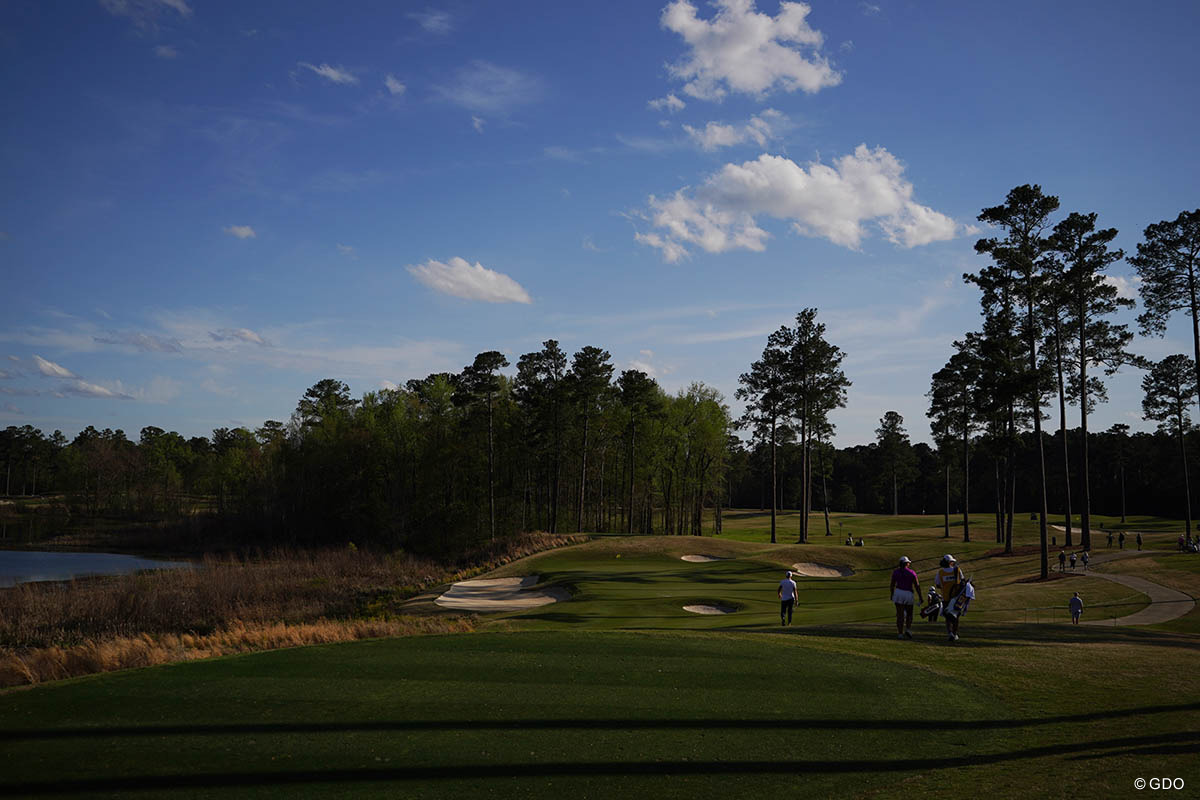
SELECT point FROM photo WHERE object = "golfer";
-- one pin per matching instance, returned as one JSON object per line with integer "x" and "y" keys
{"x": 906, "y": 588}
{"x": 947, "y": 579}
{"x": 1076, "y": 606}
{"x": 787, "y": 598}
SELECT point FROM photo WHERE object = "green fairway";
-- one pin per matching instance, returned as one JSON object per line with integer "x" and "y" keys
{"x": 621, "y": 691}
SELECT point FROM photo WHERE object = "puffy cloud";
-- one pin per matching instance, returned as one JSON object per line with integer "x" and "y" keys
{"x": 741, "y": 50}
{"x": 238, "y": 335}
{"x": 759, "y": 129}
{"x": 145, "y": 342}
{"x": 669, "y": 103}
{"x": 477, "y": 123}
{"x": 240, "y": 231}
{"x": 394, "y": 86}
{"x": 831, "y": 202}
{"x": 1125, "y": 288}
{"x": 50, "y": 369}
{"x": 331, "y": 73}
{"x": 487, "y": 88}
{"x": 460, "y": 279}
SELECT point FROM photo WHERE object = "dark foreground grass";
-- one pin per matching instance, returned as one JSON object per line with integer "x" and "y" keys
{"x": 551, "y": 714}
{"x": 608, "y": 714}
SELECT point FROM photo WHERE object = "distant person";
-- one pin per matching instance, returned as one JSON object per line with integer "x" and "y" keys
{"x": 787, "y": 598}
{"x": 860, "y": 542}
{"x": 1076, "y": 606}
{"x": 1062, "y": 561}
{"x": 1072, "y": 562}
{"x": 1181, "y": 542}
{"x": 947, "y": 579}
{"x": 1110, "y": 538}
{"x": 1121, "y": 539}
{"x": 850, "y": 541}
{"x": 1054, "y": 541}
{"x": 1139, "y": 540}
{"x": 906, "y": 588}
{"x": 1085, "y": 558}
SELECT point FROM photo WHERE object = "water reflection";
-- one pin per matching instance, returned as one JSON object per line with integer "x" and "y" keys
{"x": 21, "y": 566}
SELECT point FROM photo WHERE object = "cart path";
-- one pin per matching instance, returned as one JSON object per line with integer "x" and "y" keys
{"x": 1165, "y": 604}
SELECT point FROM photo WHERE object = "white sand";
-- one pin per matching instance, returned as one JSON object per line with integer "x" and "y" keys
{"x": 808, "y": 570}
{"x": 709, "y": 609}
{"x": 499, "y": 594}
{"x": 698, "y": 558}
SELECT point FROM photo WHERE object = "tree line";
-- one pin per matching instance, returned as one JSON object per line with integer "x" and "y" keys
{"x": 1048, "y": 338}
{"x": 441, "y": 463}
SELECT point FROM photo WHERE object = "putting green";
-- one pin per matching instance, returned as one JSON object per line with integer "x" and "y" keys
{"x": 536, "y": 714}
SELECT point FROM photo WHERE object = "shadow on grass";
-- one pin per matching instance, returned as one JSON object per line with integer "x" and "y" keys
{"x": 759, "y": 725}
{"x": 998, "y": 634}
{"x": 1168, "y": 743}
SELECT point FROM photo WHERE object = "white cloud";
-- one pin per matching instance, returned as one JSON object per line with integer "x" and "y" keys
{"x": 160, "y": 390}
{"x": 331, "y": 73}
{"x": 436, "y": 22}
{"x": 1125, "y": 287}
{"x": 760, "y": 129}
{"x": 830, "y": 202}
{"x": 145, "y": 13}
{"x": 238, "y": 335}
{"x": 741, "y": 50}
{"x": 166, "y": 51}
{"x": 50, "y": 369}
{"x": 394, "y": 86}
{"x": 346, "y": 250}
{"x": 669, "y": 103}
{"x": 487, "y": 88}
{"x": 240, "y": 231}
{"x": 81, "y": 388}
{"x": 460, "y": 279}
{"x": 477, "y": 123}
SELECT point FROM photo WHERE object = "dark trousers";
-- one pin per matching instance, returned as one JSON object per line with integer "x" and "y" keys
{"x": 785, "y": 609}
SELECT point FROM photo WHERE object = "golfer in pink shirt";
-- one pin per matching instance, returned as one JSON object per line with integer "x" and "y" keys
{"x": 906, "y": 588}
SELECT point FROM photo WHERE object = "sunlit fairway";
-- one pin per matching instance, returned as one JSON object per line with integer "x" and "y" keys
{"x": 620, "y": 691}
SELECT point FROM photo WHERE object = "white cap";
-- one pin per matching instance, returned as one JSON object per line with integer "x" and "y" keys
{"x": 949, "y": 557}
{"x": 788, "y": 573}
{"x": 905, "y": 560}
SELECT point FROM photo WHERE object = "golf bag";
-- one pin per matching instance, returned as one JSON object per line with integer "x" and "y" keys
{"x": 957, "y": 605}
{"x": 933, "y": 605}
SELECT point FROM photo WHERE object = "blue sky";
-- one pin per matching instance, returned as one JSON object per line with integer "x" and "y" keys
{"x": 208, "y": 207}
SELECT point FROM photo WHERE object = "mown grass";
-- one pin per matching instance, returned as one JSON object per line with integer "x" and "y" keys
{"x": 621, "y": 692}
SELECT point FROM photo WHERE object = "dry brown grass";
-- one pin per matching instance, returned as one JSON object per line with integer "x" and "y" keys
{"x": 36, "y": 665}
{"x": 226, "y": 605}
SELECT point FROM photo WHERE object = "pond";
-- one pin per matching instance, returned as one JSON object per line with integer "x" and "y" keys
{"x": 21, "y": 566}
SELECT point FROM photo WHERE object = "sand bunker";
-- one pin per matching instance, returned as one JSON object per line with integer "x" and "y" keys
{"x": 701, "y": 558}
{"x": 499, "y": 594}
{"x": 701, "y": 609}
{"x": 821, "y": 570}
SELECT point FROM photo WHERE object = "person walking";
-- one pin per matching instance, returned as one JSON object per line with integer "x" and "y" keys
{"x": 1085, "y": 558}
{"x": 1076, "y": 606}
{"x": 1139, "y": 540}
{"x": 1121, "y": 539}
{"x": 905, "y": 588}
{"x": 1062, "y": 561}
{"x": 787, "y": 598}
{"x": 1110, "y": 538}
{"x": 1073, "y": 562}
{"x": 947, "y": 579}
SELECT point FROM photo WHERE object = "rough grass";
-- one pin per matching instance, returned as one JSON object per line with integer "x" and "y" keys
{"x": 55, "y": 629}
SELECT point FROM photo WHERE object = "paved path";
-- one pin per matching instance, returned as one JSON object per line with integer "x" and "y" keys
{"x": 1165, "y": 604}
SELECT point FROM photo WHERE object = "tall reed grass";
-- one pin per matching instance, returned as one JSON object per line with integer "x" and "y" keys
{"x": 228, "y": 604}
